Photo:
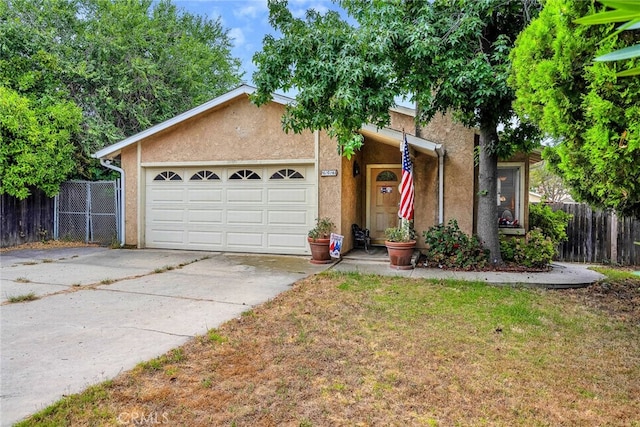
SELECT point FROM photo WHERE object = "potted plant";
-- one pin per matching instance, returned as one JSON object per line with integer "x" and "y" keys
{"x": 400, "y": 243}
{"x": 319, "y": 238}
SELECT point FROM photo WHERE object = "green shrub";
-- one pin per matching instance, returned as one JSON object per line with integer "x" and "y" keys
{"x": 448, "y": 246}
{"x": 552, "y": 224}
{"x": 536, "y": 250}
{"x": 322, "y": 230}
{"x": 404, "y": 233}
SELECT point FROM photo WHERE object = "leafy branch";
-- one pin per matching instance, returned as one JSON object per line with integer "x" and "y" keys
{"x": 627, "y": 11}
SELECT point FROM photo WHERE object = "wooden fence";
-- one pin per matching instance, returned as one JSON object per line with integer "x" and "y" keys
{"x": 596, "y": 236}
{"x": 28, "y": 220}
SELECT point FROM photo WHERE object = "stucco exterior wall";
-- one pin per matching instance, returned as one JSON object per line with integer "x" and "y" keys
{"x": 352, "y": 204}
{"x": 403, "y": 118}
{"x": 236, "y": 131}
{"x": 129, "y": 162}
{"x": 458, "y": 142}
{"x": 330, "y": 187}
{"x": 425, "y": 175}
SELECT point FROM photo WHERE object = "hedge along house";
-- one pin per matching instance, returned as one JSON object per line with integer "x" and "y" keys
{"x": 224, "y": 176}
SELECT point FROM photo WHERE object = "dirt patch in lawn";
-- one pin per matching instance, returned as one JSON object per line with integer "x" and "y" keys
{"x": 47, "y": 244}
{"x": 383, "y": 351}
{"x": 620, "y": 298}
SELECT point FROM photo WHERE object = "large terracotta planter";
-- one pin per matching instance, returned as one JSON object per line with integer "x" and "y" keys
{"x": 319, "y": 251}
{"x": 400, "y": 254}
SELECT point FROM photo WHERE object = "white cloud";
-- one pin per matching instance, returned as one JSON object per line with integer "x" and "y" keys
{"x": 237, "y": 35}
{"x": 251, "y": 9}
{"x": 299, "y": 8}
{"x": 246, "y": 12}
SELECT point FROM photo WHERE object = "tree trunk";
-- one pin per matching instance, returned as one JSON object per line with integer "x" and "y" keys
{"x": 488, "y": 193}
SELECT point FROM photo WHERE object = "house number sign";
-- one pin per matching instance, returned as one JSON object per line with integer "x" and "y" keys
{"x": 329, "y": 172}
{"x": 386, "y": 190}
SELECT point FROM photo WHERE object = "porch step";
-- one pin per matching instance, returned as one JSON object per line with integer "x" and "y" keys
{"x": 376, "y": 253}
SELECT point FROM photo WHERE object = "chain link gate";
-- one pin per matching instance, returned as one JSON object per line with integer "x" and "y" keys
{"x": 88, "y": 211}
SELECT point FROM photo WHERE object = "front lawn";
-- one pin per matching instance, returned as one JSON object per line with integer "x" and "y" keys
{"x": 346, "y": 349}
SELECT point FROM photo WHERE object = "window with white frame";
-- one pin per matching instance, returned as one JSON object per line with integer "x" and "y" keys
{"x": 510, "y": 197}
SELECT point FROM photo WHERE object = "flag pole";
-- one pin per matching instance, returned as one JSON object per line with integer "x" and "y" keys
{"x": 400, "y": 219}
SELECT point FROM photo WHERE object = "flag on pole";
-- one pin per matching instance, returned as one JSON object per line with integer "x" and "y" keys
{"x": 406, "y": 185}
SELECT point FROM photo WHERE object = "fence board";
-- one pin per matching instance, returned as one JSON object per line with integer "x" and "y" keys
{"x": 28, "y": 220}
{"x": 589, "y": 237}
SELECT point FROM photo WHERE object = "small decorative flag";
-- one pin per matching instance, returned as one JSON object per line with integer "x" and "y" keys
{"x": 406, "y": 185}
{"x": 335, "y": 245}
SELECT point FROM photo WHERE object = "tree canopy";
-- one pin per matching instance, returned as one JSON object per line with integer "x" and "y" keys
{"x": 445, "y": 55}
{"x": 593, "y": 114}
{"x": 37, "y": 119}
{"x": 125, "y": 65}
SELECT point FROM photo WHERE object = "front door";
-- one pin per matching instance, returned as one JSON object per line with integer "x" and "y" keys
{"x": 383, "y": 197}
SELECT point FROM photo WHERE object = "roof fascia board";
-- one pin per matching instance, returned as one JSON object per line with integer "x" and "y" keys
{"x": 420, "y": 144}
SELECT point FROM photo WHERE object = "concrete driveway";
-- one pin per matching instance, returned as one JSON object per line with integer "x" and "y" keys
{"x": 102, "y": 311}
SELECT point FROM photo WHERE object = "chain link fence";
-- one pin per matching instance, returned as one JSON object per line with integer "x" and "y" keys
{"x": 88, "y": 211}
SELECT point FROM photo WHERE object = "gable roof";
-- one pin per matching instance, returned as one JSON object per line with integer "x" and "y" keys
{"x": 245, "y": 90}
{"x": 385, "y": 135}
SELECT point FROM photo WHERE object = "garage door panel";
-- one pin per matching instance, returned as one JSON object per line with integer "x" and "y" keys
{"x": 167, "y": 237}
{"x": 292, "y": 217}
{"x": 287, "y": 195}
{"x": 205, "y": 216}
{"x": 166, "y": 195}
{"x": 205, "y": 238}
{"x": 244, "y": 215}
{"x": 163, "y": 215}
{"x": 245, "y": 195}
{"x": 244, "y": 239}
{"x": 201, "y": 195}
{"x": 287, "y": 241}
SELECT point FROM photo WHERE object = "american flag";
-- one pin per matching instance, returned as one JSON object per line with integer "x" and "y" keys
{"x": 406, "y": 185}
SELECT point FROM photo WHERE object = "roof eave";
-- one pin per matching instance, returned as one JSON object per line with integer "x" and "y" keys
{"x": 391, "y": 136}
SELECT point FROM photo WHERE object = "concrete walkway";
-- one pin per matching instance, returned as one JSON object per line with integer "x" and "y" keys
{"x": 561, "y": 275}
{"x": 102, "y": 311}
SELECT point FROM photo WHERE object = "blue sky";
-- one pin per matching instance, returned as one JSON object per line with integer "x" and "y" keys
{"x": 247, "y": 22}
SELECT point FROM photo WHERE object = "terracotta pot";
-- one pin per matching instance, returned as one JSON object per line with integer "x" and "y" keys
{"x": 400, "y": 254}
{"x": 319, "y": 251}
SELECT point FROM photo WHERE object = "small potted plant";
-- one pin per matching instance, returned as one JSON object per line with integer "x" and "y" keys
{"x": 400, "y": 243}
{"x": 319, "y": 239}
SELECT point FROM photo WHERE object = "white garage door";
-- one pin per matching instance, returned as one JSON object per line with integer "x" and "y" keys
{"x": 264, "y": 209}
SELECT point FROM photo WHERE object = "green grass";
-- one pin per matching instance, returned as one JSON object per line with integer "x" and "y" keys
{"x": 615, "y": 274}
{"x": 31, "y": 296}
{"x": 213, "y": 336}
{"x": 75, "y": 406}
{"x": 174, "y": 356}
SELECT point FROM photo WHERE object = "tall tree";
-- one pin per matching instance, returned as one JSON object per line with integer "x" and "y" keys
{"x": 144, "y": 62}
{"x": 128, "y": 64}
{"x": 446, "y": 55}
{"x": 37, "y": 118}
{"x": 594, "y": 114}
